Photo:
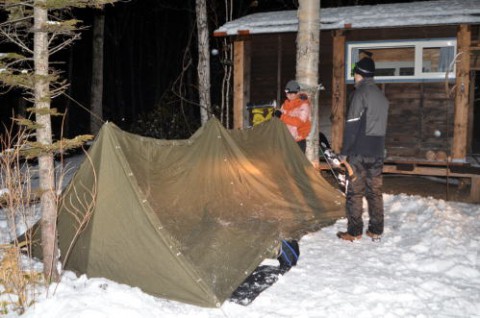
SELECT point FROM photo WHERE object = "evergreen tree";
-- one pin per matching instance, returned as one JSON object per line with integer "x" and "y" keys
{"x": 40, "y": 28}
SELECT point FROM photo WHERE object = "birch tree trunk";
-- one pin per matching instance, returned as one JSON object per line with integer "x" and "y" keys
{"x": 203, "y": 60}
{"x": 308, "y": 47}
{"x": 44, "y": 136}
{"x": 96, "y": 90}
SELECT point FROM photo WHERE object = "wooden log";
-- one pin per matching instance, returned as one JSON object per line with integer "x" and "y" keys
{"x": 462, "y": 91}
{"x": 430, "y": 155}
{"x": 241, "y": 81}
{"x": 441, "y": 155}
{"x": 338, "y": 90}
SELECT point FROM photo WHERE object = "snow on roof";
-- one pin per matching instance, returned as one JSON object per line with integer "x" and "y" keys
{"x": 360, "y": 17}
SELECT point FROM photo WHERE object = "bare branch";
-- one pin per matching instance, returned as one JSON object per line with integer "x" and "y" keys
{"x": 64, "y": 44}
{"x": 16, "y": 41}
{"x": 82, "y": 209}
{"x": 10, "y": 22}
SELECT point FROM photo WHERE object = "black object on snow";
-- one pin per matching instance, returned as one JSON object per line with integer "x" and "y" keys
{"x": 260, "y": 279}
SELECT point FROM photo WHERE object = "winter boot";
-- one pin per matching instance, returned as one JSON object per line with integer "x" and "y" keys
{"x": 348, "y": 237}
{"x": 373, "y": 236}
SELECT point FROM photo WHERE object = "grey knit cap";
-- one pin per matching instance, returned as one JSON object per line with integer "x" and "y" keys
{"x": 292, "y": 87}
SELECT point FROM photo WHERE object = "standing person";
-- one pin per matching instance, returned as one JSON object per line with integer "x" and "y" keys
{"x": 296, "y": 114}
{"x": 364, "y": 146}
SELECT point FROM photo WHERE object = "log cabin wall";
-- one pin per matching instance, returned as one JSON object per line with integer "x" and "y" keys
{"x": 418, "y": 113}
{"x": 267, "y": 52}
{"x": 417, "y": 110}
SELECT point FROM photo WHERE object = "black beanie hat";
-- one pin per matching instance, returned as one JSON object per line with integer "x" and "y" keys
{"x": 365, "y": 67}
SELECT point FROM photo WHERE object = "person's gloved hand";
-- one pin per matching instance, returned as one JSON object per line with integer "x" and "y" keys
{"x": 278, "y": 113}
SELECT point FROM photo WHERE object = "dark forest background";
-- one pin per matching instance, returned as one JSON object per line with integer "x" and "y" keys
{"x": 147, "y": 45}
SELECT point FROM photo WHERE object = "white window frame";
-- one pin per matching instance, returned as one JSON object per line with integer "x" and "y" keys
{"x": 418, "y": 45}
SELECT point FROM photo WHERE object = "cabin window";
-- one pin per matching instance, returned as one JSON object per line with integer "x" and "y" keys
{"x": 405, "y": 61}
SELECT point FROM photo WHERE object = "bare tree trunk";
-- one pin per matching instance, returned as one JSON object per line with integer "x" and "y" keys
{"x": 227, "y": 55}
{"x": 203, "y": 60}
{"x": 44, "y": 136}
{"x": 308, "y": 47}
{"x": 96, "y": 90}
{"x": 226, "y": 82}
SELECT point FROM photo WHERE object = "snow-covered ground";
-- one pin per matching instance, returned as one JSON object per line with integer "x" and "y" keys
{"x": 427, "y": 265}
{"x": 64, "y": 171}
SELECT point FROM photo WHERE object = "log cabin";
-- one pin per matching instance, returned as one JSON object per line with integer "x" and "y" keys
{"x": 427, "y": 57}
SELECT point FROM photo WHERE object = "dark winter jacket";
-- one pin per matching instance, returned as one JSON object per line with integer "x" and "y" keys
{"x": 366, "y": 123}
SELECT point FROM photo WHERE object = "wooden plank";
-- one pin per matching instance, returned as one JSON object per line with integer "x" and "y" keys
{"x": 427, "y": 171}
{"x": 403, "y": 152}
{"x": 475, "y": 189}
{"x": 241, "y": 81}
{"x": 438, "y": 169}
{"x": 462, "y": 91}
{"x": 423, "y": 162}
{"x": 338, "y": 90}
{"x": 440, "y": 172}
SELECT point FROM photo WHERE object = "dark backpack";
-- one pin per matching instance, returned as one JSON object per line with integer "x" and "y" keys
{"x": 289, "y": 254}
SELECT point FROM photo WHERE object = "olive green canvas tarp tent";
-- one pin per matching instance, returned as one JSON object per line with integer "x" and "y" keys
{"x": 189, "y": 220}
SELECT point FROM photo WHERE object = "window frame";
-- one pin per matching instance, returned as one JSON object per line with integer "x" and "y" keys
{"x": 418, "y": 45}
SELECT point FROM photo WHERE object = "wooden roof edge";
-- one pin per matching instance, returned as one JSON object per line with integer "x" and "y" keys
{"x": 220, "y": 34}
{"x": 224, "y": 33}
{"x": 345, "y": 26}
{"x": 243, "y": 32}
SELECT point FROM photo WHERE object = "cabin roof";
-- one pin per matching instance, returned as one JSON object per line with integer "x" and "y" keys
{"x": 440, "y": 12}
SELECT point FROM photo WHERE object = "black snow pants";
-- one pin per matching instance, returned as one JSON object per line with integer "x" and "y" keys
{"x": 368, "y": 184}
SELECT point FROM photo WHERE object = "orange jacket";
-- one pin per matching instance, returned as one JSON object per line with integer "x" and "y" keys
{"x": 297, "y": 115}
